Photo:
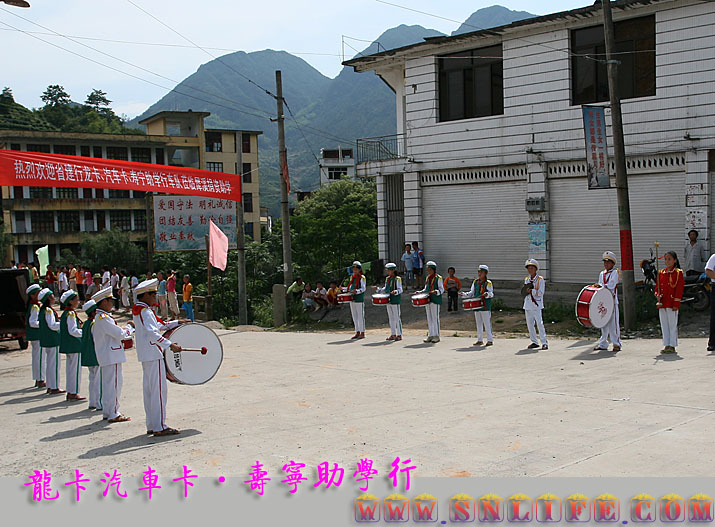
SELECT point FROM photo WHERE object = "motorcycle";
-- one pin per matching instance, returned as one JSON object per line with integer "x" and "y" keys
{"x": 697, "y": 287}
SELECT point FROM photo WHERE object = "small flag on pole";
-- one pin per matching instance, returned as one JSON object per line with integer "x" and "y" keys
{"x": 218, "y": 247}
{"x": 43, "y": 256}
{"x": 285, "y": 174}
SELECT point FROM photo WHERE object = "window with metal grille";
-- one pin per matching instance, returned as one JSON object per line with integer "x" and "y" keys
{"x": 68, "y": 221}
{"x": 39, "y": 148}
{"x": 247, "y": 202}
{"x": 471, "y": 84}
{"x": 159, "y": 152}
{"x": 67, "y": 193}
{"x": 247, "y": 176}
{"x": 214, "y": 142}
{"x": 40, "y": 192}
{"x": 119, "y": 153}
{"x": 65, "y": 150}
{"x": 89, "y": 221}
{"x": 214, "y": 166}
{"x": 15, "y": 146}
{"x": 335, "y": 173}
{"x": 84, "y": 151}
{"x": 18, "y": 192}
{"x": 20, "y": 221}
{"x": 114, "y": 193}
{"x": 97, "y": 151}
{"x": 42, "y": 221}
{"x": 121, "y": 219}
{"x": 139, "y": 220}
{"x": 246, "y": 143}
{"x": 635, "y": 45}
{"x": 141, "y": 155}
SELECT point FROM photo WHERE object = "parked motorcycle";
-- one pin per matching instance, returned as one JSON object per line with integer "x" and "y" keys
{"x": 695, "y": 293}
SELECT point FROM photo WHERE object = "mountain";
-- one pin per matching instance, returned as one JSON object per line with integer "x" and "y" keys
{"x": 488, "y": 17}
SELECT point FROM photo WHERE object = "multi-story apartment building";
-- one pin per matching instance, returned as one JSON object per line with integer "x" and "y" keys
{"x": 336, "y": 163}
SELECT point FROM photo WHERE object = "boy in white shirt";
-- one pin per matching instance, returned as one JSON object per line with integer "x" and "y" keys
{"x": 534, "y": 304}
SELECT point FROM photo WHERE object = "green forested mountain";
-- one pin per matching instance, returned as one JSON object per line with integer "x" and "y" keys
{"x": 14, "y": 116}
{"x": 493, "y": 16}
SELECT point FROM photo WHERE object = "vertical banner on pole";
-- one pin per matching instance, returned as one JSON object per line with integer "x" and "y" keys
{"x": 594, "y": 126}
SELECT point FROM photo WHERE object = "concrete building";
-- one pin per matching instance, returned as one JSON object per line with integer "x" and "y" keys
{"x": 491, "y": 121}
{"x": 58, "y": 217}
{"x": 335, "y": 164}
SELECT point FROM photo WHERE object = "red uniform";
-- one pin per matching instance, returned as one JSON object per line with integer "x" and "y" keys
{"x": 671, "y": 285}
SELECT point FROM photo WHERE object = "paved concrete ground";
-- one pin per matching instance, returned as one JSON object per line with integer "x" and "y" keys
{"x": 455, "y": 410}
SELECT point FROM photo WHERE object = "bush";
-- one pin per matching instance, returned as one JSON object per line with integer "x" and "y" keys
{"x": 263, "y": 312}
{"x": 558, "y": 312}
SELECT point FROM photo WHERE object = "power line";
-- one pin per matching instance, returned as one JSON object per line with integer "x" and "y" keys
{"x": 300, "y": 129}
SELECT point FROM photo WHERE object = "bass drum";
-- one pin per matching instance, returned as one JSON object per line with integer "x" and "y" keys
{"x": 193, "y": 367}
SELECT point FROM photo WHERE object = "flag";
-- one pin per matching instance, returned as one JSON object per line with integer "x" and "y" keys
{"x": 284, "y": 168}
{"x": 43, "y": 256}
{"x": 218, "y": 247}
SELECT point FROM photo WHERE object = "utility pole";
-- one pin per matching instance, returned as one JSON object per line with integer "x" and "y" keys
{"x": 241, "y": 246}
{"x": 619, "y": 152}
{"x": 282, "y": 155}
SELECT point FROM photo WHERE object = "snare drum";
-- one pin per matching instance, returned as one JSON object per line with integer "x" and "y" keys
{"x": 420, "y": 299}
{"x": 473, "y": 304}
{"x": 128, "y": 343}
{"x": 344, "y": 298}
{"x": 193, "y": 367}
{"x": 380, "y": 299}
{"x": 594, "y": 306}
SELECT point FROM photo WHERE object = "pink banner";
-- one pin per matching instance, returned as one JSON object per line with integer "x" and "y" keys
{"x": 33, "y": 169}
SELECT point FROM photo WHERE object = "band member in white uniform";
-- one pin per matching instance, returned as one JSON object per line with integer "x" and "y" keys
{"x": 150, "y": 352}
{"x": 482, "y": 287}
{"x": 107, "y": 337}
{"x": 50, "y": 340}
{"x": 434, "y": 286}
{"x": 393, "y": 287}
{"x": 357, "y": 286}
{"x": 534, "y": 304}
{"x": 609, "y": 278}
{"x": 32, "y": 335}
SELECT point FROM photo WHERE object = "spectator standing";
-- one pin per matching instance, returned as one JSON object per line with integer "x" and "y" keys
{"x": 93, "y": 286}
{"x": 453, "y": 286}
{"x": 114, "y": 282}
{"x": 171, "y": 294}
{"x": 188, "y": 298}
{"x": 80, "y": 282}
{"x": 418, "y": 264}
{"x": 72, "y": 276}
{"x": 50, "y": 279}
{"x": 62, "y": 282}
{"x": 125, "y": 289}
{"x": 106, "y": 276}
{"x": 407, "y": 266}
{"x": 695, "y": 255}
{"x": 161, "y": 296}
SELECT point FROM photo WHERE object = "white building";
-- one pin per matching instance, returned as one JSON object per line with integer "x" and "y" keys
{"x": 336, "y": 163}
{"x": 489, "y": 119}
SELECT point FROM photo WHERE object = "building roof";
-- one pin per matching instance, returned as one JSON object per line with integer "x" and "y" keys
{"x": 252, "y": 132}
{"x": 81, "y": 136}
{"x": 169, "y": 114}
{"x": 576, "y": 14}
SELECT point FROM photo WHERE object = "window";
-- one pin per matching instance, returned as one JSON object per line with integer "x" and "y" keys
{"x": 84, "y": 151}
{"x": 68, "y": 221}
{"x": 213, "y": 142}
{"x": 43, "y": 221}
{"x": 247, "y": 176}
{"x": 65, "y": 150}
{"x": 214, "y": 166}
{"x": 247, "y": 202}
{"x": 20, "y": 221}
{"x": 122, "y": 194}
{"x": 635, "y": 43}
{"x": 39, "y": 148}
{"x": 337, "y": 172}
{"x": 18, "y": 192}
{"x": 121, "y": 219}
{"x": 15, "y": 146}
{"x": 471, "y": 84}
{"x": 139, "y": 220}
{"x": 139, "y": 194}
{"x": 67, "y": 193}
{"x": 246, "y": 143}
{"x": 97, "y": 151}
{"x": 141, "y": 155}
{"x": 89, "y": 221}
{"x": 40, "y": 192}
{"x": 248, "y": 229}
{"x": 160, "y": 156}
{"x": 117, "y": 152}
{"x": 101, "y": 221}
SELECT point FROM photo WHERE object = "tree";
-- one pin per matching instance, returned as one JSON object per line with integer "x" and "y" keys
{"x": 98, "y": 101}
{"x": 5, "y": 242}
{"x": 113, "y": 249}
{"x": 7, "y": 94}
{"x": 336, "y": 225}
{"x": 55, "y": 95}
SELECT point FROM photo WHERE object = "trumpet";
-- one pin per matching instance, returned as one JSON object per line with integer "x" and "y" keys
{"x": 657, "y": 280}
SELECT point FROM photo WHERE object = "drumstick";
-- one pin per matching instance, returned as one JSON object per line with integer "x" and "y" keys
{"x": 203, "y": 350}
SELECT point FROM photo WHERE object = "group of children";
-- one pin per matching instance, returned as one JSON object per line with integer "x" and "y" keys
{"x": 99, "y": 345}
{"x": 669, "y": 292}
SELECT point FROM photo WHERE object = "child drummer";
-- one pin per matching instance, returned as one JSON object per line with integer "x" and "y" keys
{"x": 434, "y": 286}
{"x": 482, "y": 288}
{"x": 393, "y": 287}
{"x": 671, "y": 283}
{"x": 357, "y": 286}
{"x": 535, "y": 286}
{"x": 609, "y": 278}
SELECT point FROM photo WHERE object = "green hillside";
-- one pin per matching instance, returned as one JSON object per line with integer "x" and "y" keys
{"x": 14, "y": 116}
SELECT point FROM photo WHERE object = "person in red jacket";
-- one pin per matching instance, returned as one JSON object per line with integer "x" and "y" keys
{"x": 671, "y": 282}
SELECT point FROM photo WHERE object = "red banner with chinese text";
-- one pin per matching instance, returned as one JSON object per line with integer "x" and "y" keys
{"x": 33, "y": 169}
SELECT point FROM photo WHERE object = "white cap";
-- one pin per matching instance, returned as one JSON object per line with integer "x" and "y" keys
{"x": 533, "y": 262}
{"x": 484, "y": 268}
{"x": 32, "y": 289}
{"x": 357, "y": 264}
{"x": 147, "y": 286}
{"x": 431, "y": 264}
{"x": 89, "y": 305}
{"x": 390, "y": 266}
{"x": 67, "y": 296}
{"x": 44, "y": 294}
{"x": 102, "y": 294}
{"x": 608, "y": 255}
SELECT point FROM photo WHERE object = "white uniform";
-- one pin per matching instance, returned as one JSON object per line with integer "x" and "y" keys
{"x": 533, "y": 306}
{"x": 612, "y": 330}
{"x": 150, "y": 352}
{"x": 432, "y": 309}
{"x": 357, "y": 309}
{"x": 38, "y": 370}
{"x": 73, "y": 360}
{"x": 52, "y": 355}
{"x": 483, "y": 318}
{"x": 393, "y": 310}
{"x": 107, "y": 337}
{"x": 124, "y": 286}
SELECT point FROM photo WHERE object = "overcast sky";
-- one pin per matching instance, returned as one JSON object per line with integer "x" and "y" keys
{"x": 310, "y": 29}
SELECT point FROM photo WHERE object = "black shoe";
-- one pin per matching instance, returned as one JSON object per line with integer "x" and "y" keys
{"x": 711, "y": 348}
{"x": 533, "y": 346}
